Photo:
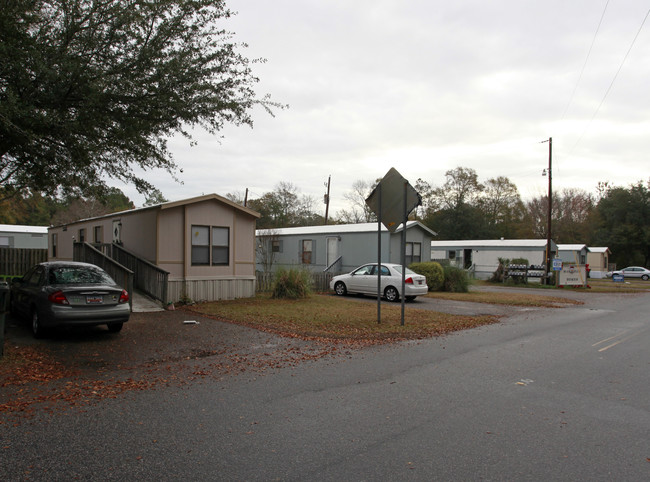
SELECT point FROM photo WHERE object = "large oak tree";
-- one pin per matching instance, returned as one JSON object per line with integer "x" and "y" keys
{"x": 90, "y": 89}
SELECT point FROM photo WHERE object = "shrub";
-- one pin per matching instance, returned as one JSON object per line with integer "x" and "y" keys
{"x": 455, "y": 280}
{"x": 433, "y": 271}
{"x": 497, "y": 276}
{"x": 292, "y": 284}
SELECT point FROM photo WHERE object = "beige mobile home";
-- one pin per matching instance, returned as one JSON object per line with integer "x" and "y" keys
{"x": 206, "y": 244}
{"x": 598, "y": 261}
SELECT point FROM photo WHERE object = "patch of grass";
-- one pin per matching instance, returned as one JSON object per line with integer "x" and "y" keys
{"x": 330, "y": 318}
{"x": 595, "y": 286}
{"x": 506, "y": 298}
{"x": 532, "y": 285}
{"x": 628, "y": 286}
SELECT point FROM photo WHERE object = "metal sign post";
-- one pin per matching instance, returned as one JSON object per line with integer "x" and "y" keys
{"x": 379, "y": 258}
{"x": 403, "y": 252}
{"x": 392, "y": 200}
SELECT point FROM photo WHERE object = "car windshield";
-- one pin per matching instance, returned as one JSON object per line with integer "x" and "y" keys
{"x": 364, "y": 270}
{"x": 78, "y": 275}
{"x": 398, "y": 268}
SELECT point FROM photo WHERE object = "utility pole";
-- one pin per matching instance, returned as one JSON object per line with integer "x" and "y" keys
{"x": 327, "y": 198}
{"x": 550, "y": 209}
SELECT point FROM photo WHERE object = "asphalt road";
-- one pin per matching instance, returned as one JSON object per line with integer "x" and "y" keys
{"x": 548, "y": 394}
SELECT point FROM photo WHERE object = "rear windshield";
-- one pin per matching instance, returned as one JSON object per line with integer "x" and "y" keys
{"x": 67, "y": 275}
{"x": 398, "y": 268}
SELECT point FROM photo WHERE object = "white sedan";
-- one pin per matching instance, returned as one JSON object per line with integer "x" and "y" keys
{"x": 363, "y": 280}
{"x": 632, "y": 272}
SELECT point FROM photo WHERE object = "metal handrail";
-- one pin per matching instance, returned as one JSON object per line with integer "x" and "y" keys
{"x": 149, "y": 278}
{"x": 332, "y": 264}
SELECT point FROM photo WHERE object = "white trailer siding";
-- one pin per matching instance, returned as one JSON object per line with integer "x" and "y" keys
{"x": 482, "y": 256}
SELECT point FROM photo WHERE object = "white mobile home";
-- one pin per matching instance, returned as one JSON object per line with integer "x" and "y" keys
{"x": 339, "y": 247}
{"x": 482, "y": 256}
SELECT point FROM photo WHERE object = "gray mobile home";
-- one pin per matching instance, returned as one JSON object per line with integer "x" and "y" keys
{"x": 573, "y": 253}
{"x": 339, "y": 247}
{"x": 27, "y": 237}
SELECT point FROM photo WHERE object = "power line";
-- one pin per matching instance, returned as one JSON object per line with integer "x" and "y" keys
{"x": 613, "y": 80}
{"x": 593, "y": 41}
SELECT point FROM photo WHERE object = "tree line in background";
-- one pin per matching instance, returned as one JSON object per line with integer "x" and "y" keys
{"x": 39, "y": 210}
{"x": 461, "y": 208}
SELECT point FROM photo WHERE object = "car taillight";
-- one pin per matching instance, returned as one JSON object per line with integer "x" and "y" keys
{"x": 408, "y": 281}
{"x": 59, "y": 298}
{"x": 124, "y": 297}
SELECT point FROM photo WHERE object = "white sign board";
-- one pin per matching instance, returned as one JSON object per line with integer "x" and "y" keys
{"x": 573, "y": 275}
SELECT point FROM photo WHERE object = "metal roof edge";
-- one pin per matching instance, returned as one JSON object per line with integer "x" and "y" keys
{"x": 22, "y": 228}
{"x": 492, "y": 242}
{"x": 337, "y": 229}
{"x": 168, "y": 205}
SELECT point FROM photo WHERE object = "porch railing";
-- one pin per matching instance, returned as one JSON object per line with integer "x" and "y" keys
{"x": 334, "y": 263}
{"x": 148, "y": 278}
{"x": 123, "y": 276}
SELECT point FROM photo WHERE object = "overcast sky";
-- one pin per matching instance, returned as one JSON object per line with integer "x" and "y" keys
{"x": 426, "y": 86}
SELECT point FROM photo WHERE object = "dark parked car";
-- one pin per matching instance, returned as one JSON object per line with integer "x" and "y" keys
{"x": 69, "y": 293}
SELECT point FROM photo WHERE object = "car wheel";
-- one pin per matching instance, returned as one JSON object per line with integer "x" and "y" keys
{"x": 340, "y": 289}
{"x": 115, "y": 327}
{"x": 644, "y": 277}
{"x": 37, "y": 329}
{"x": 391, "y": 293}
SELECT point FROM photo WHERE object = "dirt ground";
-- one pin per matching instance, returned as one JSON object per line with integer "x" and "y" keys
{"x": 82, "y": 366}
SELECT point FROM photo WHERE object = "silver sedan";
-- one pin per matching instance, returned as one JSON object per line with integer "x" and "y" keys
{"x": 61, "y": 293}
{"x": 632, "y": 272}
{"x": 363, "y": 280}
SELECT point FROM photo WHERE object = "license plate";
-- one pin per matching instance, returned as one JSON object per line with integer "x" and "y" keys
{"x": 94, "y": 300}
